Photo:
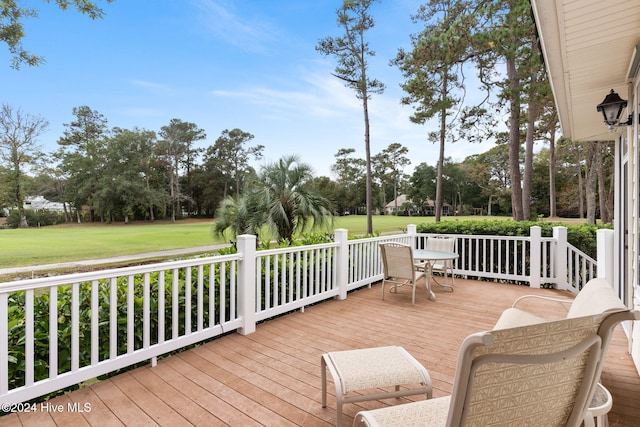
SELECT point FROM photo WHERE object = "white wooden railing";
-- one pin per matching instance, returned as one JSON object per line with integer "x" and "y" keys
{"x": 59, "y": 331}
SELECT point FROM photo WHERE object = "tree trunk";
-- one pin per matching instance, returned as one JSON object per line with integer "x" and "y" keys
{"x": 591, "y": 182}
{"x": 395, "y": 196}
{"x": 23, "y": 218}
{"x": 514, "y": 143}
{"x": 528, "y": 158}
{"x": 611, "y": 196}
{"x": 603, "y": 196}
{"x": 580, "y": 191}
{"x": 67, "y": 215}
{"x": 443, "y": 129}
{"x": 367, "y": 146}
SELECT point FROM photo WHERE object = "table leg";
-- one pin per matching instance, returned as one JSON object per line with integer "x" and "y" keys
{"x": 427, "y": 281}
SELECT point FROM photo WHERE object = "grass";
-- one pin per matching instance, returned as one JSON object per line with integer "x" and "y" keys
{"x": 74, "y": 242}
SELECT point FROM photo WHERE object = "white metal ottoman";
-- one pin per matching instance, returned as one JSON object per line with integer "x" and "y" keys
{"x": 372, "y": 369}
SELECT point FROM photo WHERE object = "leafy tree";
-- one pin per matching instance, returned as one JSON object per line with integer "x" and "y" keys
{"x": 230, "y": 155}
{"x": 606, "y": 180}
{"x": 598, "y": 186}
{"x": 280, "y": 199}
{"x": 504, "y": 33}
{"x": 455, "y": 187}
{"x": 19, "y": 150}
{"x": 495, "y": 35}
{"x": 51, "y": 182}
{"x": 433, "y": 73}
{"x": 12, "y": 14}
{"x": 389, "y": 164}
{"x": 351, "y": 52}
{"x": 540, "y": 183}
{"x": 489, "y": 172}
{"x": 325, "y": 187}
{"x": 177, "y": 151}
{"x": 571, "y": 194}
{"x": 423, "y": 186}
{"x": 208, "y": 188}
{"x": 82, "y": 153}
{"x": 547, "y": 128}
{"x": 124, "y": 187}
{"x": 350, "y": 173}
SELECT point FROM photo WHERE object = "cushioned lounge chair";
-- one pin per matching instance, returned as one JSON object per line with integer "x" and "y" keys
{"x": 539, "y": 374}
{"x": 596, "y": 297}
{"x": 539, "y": 391}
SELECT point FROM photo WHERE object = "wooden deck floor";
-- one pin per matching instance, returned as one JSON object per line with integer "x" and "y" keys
{"x": 272, "y": 377}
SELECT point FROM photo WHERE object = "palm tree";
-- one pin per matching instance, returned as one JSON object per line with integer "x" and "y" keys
{"x": 279, "y": 199}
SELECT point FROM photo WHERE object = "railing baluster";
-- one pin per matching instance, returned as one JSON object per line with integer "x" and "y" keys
{"x": 75, "y": 327}
{"x": 130, "y": 314}
{"x": 267, "y": 281}
{"x": 113, "y": 318}
{"x": 305, "y": 276}
{"x": 146, "y": 315}
{"x": 276, "y": 280}
{"x": 53, "y": 331}
{"x": 233, "y": 290}
{"x": 4, "y": 344}
{"x": 187, "y": 301}
{"x": 212, "y": 294}
{"x": 298, "y": 275}
{"x": 161, "y": 307}
{"x": 223, "y": 293}
{"x": 28, "y": 343}
{"x": 175, "y": 307}
{"x": 200, "y": 300}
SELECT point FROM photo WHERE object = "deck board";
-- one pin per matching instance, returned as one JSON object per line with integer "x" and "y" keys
{"x": 272, "y": 377}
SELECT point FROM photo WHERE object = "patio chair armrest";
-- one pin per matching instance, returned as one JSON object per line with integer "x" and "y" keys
{"x": 541, "y": 297}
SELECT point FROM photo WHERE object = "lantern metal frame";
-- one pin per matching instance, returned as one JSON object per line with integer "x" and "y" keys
{"x": 611, "y": 108}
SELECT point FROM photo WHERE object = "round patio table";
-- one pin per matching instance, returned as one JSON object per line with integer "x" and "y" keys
{"x": 429, "y": 257}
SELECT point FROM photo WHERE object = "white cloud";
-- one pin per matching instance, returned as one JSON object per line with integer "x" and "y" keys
{"x": 221, "y": 19}
{"x": 149, "y": 85}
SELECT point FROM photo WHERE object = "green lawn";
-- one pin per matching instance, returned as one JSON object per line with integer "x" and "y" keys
{"x": 92, "y": 241}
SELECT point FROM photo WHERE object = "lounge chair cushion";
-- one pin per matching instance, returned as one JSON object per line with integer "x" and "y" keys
{"x": 431, "y": 413}
{"x": 596, "y": 297}
{"x": 513, "y": 317}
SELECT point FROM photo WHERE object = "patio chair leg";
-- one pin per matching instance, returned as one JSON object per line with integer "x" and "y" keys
{"x": 323, "y": 368}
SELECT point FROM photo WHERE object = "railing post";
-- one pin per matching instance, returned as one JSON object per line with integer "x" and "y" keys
{"x": 247, "y": 283}
{"x": 535, "y": 258}
{"x": 560, "y": 236}
{"x": 412, "y": 230}
{"x": 342, "y": 262}
{"x": 604, "y": 240}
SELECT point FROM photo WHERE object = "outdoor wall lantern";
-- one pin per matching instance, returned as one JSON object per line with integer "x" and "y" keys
{"x": 611, "y": 109}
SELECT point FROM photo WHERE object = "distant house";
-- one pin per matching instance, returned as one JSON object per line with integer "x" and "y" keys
{"x": 390, "y": 208}
{"x": 406, "y": 206}
{"x": 39, "y": 203}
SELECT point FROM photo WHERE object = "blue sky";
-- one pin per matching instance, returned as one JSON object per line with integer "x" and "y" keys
{"x": 222, "y": 64}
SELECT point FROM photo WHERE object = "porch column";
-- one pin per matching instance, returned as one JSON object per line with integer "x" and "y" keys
{"x": 342, "y": 262}
{"x": 605, "y": 251}
{"x": 247, "y": 283}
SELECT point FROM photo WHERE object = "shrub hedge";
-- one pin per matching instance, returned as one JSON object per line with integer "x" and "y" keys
{"x": 582, "y": 236}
